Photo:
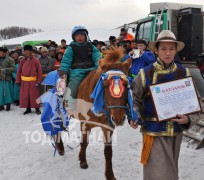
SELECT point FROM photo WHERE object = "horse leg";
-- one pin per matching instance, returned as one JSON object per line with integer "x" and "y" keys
{"x": 85, "y": 130}
{"x": 108, "y": 154}
{"x": 59, "y": 144}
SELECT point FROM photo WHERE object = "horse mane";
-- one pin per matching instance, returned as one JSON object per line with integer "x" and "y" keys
{"x": 112, "y": 59}
{"x": 113, "y": 55}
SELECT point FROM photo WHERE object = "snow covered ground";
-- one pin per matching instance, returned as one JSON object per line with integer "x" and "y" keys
{"x": 24, "y": 156}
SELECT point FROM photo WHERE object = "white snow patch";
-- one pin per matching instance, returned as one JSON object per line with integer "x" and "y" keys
{"x": 20, "y": 160}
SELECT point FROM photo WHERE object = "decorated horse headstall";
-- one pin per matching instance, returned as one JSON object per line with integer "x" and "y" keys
{"x": 116, "y": 89}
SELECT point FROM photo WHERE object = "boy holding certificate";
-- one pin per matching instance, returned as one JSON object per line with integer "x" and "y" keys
{"x": 162, "y": 139}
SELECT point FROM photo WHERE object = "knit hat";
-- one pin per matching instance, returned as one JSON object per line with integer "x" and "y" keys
{"x": 166, "y": 36}
{"x": 52, "y": 49}
{"x": 28, "y": 48}
{"x": 44, "y": 49}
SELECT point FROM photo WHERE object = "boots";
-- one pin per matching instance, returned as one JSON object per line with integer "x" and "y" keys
{"x": 59, "y": 144}
{"x": 8, "y": 107}
{"x": 28, "y": 110}
{"x": 16, "y": 102}
{"x": 1, "y": 108}
{"x": 37, "y": 110}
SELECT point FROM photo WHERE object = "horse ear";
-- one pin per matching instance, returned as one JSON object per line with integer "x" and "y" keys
{"x": 127, "y": 64}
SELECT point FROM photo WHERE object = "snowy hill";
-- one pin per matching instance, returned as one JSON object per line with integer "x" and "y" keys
{"x": 99, "y": 34}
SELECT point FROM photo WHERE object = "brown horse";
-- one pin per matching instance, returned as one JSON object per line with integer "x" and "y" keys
{"x": 115, "y": 100}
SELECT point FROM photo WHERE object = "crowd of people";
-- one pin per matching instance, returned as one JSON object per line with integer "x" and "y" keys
{"x": 48, "y": 57}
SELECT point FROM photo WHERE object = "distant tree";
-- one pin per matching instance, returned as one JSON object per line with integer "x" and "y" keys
{"x": 15, "y": 31}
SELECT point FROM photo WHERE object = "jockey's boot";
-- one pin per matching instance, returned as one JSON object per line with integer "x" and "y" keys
{"x": 8, "y": 107}
{"x": 37, "y": 110}
{"x": 1, "y": 108}
{"x": 59, "y": 145}
{"x": 28, "y": 110}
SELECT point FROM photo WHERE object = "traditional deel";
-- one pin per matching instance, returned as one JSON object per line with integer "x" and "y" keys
{"x": 153, "y": 74}
{"x": 116, "y": 78}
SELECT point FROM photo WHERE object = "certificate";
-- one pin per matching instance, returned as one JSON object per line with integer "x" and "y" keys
{"x": 174, "y": 97}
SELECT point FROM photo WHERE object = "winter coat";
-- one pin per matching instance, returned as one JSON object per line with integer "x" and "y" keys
{"x": 77, "y": 75}
{"x": 8, "y": 65}
{"x": 47, "y": 64}
{"x": 144, "y": 60}
{"x": 68, "y": 56}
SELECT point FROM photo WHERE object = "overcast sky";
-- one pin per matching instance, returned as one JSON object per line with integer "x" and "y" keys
{"x": 64, "y": 14}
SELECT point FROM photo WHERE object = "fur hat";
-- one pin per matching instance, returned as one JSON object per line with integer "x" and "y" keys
{"x": 17, "y": 48}
{"x": 20, "y": 58}
{"x": 4, "y": 49}
{"x": 103, "y": 48}
{"x": 44, "y": 49}
{"x": 166, "y": 36}
{"x": 28, "y": 48}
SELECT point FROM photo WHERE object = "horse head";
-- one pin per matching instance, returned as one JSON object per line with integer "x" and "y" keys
{"x": 116, "y": 85}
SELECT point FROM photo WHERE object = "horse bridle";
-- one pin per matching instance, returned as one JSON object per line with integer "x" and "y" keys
{"x": 107, "y": 108}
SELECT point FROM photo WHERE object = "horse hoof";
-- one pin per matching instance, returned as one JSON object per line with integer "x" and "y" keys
{"x": 84, "y": 165}
{"x": 61, "y": 153}
{"x": 110, "y": 178}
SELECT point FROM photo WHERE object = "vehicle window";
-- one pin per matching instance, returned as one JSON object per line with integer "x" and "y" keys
{"x": 140, "y": 32}
{"x": 145, "y": 31}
